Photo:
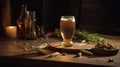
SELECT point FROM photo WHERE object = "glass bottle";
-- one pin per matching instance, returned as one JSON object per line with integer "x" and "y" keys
{"x": 23, "y": 18}
{"x": 31, "y": 31}
{"x": 6, "y": 13}
{"x": 5, "y": 16}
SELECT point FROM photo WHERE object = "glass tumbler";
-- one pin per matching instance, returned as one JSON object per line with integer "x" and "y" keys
{"x": 67, "y": 30}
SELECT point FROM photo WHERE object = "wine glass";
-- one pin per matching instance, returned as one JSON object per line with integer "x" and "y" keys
{"x": 67, "y": 30}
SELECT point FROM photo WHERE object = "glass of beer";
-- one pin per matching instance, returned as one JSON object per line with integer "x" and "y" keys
{"x": 67, "y": 30}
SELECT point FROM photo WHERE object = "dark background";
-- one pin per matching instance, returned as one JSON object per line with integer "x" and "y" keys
{"x": 99, "y": 16}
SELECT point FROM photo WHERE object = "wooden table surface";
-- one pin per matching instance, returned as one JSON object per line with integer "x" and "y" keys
{"x": 15, "y": 52}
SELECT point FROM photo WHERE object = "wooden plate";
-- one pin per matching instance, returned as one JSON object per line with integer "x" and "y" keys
{"x": 56, "y": 46}
{"x": 77, "y": 47}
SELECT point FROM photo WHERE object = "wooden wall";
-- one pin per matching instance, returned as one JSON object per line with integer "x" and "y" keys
{"x": 100, "y": 16}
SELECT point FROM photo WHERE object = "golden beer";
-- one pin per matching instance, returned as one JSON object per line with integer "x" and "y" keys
{"x": 67, "y": 30}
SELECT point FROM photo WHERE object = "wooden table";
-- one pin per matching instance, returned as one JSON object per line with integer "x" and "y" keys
{"x": 15, "y": 52}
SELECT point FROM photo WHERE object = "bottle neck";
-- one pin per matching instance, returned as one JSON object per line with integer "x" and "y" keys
{"x": 23, "y": 11}
{"x": 32, "y": 15}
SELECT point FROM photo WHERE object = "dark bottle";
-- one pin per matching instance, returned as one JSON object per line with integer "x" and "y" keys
{"x": 21, "y": 21}
{"x": 5, "y": 16}
{"x": 6, "y": 13}
{"x": 30, "y": 26}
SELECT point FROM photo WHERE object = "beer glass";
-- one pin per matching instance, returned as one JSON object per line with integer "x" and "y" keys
{"x": 67, "y": 30}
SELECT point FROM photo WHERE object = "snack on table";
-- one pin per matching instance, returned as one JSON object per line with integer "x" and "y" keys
{"x": 102, "y": 46}
{"x": 104, "y": 50}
